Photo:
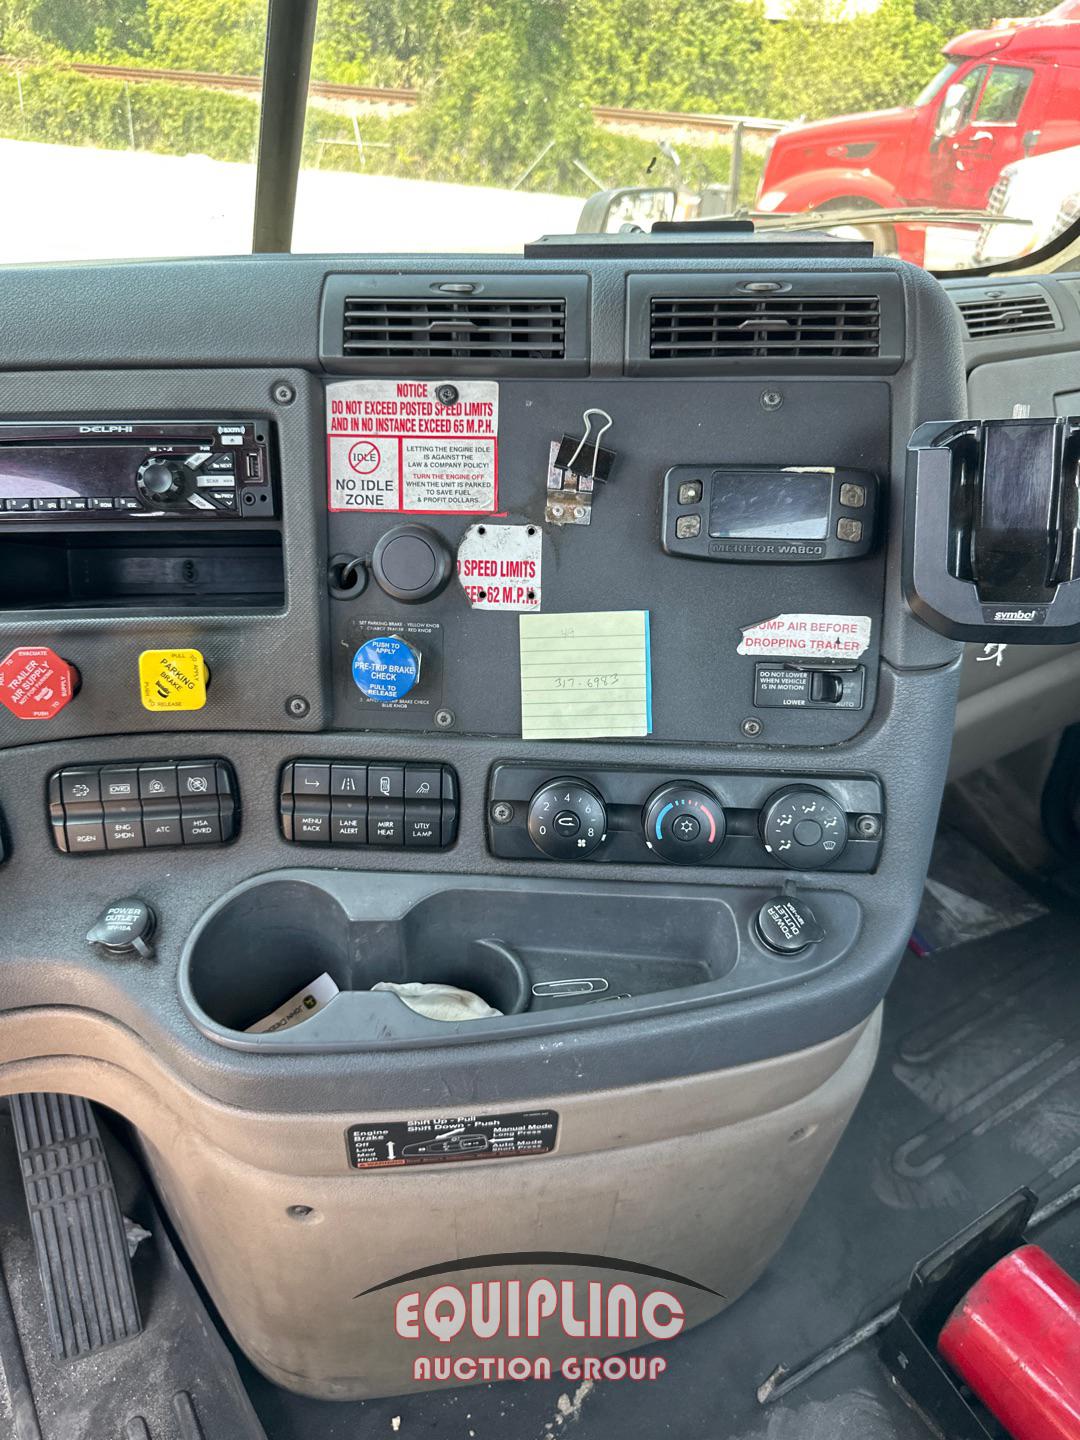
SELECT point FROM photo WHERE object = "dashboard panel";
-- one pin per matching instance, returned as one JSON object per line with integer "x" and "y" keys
{"x": 558, "y": 657}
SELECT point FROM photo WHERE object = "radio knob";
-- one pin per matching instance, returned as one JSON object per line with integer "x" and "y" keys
{"x": 160, "y": 481}
{"x": 567, "y": 820}
{"x": 684, "y": 824}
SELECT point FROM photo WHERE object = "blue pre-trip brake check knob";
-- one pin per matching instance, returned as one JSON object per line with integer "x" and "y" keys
{"x": 385, "y": 669}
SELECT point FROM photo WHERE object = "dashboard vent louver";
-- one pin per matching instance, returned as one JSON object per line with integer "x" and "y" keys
{"x": 432, "y": 327}
{"x": 1024, "y": 313}
{"x": 733, "y": 327}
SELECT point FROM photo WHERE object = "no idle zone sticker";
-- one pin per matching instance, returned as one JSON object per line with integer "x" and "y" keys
{"x": 413, "y": 446}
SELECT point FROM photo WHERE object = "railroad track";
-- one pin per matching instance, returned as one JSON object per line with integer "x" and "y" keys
{"x": 609, "y": 116}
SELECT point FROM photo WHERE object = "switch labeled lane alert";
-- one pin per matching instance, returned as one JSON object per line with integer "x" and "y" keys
{"x": 173, "y": 680}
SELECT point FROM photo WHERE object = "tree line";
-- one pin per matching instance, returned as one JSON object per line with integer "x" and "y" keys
{"x": 499, "y": 79}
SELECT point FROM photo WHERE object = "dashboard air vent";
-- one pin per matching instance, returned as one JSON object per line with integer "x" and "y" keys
{"x": 428, "y": 326}
{"x": 1024, "y": 312}
{"x": 785, "y": 326}
{"x": 472, "y": 323}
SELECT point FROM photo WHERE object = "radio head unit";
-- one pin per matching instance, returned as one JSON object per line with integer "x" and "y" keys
{"x": 757, "y": 513}
{"x": 122, "y": 470}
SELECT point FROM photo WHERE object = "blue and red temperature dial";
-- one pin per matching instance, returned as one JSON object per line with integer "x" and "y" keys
{"x": 684, "y": 824}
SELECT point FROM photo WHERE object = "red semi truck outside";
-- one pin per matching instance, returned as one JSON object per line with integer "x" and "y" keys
{"x": 1004, "y": 94}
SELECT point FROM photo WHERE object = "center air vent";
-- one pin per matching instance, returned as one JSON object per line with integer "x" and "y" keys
{"x": 726, "y": 324}
{"x": 425, "y": 325}
{"x": 525, "y": 329}
{"x": 731, "y": 327}
{"x": 1018, "y": 312}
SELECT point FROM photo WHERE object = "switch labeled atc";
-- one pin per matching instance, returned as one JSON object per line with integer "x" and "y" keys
{"x": 171, "y": 680}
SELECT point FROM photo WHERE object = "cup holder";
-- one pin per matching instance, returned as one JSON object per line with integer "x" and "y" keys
{"x": 542, "y": 955}
{"x": 274, "y": 937}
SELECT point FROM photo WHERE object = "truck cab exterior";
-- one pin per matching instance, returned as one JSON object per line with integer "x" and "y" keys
{"x": 1003, "y": 94}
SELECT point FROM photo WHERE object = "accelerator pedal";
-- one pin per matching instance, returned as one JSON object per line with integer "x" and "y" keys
{"x": 78, "y": 1231}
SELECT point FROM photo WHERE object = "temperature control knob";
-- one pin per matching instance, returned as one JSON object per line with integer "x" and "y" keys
{"x": 684, "y": 824}
{"x": 567, "y": 820}
{"x": 161, "y": 481}
{"x": 804, "y": 829}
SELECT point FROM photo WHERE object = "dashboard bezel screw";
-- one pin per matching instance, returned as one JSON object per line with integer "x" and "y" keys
{"x": 296, "y": 707}
{"x": 752, "y": 727}
{"x": 282, "y": 393}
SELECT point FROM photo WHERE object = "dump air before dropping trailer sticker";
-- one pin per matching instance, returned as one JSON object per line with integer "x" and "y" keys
{"x": 807, "y": 637}
{"x": 441, "y": 1140}
{"x": 420, "y": 447}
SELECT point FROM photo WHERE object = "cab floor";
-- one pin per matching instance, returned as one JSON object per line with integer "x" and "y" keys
{"x": 976, "y": 1091}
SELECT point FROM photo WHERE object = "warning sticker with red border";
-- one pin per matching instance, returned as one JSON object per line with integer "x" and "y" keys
{"x": 420, "y": 447}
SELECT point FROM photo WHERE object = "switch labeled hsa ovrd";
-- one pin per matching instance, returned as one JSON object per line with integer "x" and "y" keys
{"x": 173, "y": 679}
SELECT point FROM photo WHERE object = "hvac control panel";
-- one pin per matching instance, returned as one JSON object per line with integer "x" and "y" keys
{"x": 633, "y": 816}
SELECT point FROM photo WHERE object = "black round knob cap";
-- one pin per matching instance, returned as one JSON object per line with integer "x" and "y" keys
{"x": 567, "y": 820}
{"x": 126, "y": 927}
{"x": 804, "y": 829}
{"x": 787, "y": 926}
{"x": 684, "y": 823}
{"x": 412, "y": 563}
{"x": 161, "y": 481}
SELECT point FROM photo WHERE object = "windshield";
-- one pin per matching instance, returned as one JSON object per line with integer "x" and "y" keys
{"x": 933, "y": 87}
{"x": 131, "y": 127}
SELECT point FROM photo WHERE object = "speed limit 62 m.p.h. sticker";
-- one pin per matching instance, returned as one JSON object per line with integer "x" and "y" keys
{"x": 413, "y": 446}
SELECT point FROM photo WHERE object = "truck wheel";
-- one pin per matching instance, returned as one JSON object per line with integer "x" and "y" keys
{"x": 883, "y": 236}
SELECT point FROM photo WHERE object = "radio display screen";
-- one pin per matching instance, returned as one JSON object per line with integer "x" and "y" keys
{"x": 770, "y": 505}
{"x": 37, "y": 472}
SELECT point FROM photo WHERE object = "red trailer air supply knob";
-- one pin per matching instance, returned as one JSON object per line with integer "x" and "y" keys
{"x": 35, "y": 684}
{"x": 1015, "y": 1340}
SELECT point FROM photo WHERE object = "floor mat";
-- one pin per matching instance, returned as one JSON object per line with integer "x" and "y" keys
{"x": 976, "y": 1091}
{"x": 174, "y": 1381}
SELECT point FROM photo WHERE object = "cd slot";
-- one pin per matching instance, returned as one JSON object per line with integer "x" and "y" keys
{"x": 153, "y": 570}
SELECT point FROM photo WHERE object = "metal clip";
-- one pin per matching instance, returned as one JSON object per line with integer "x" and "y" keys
{"x": 570, "y": 487}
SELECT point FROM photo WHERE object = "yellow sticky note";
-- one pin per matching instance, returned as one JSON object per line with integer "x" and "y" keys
{"x": 585, "y": 675}
{"x": 172, "y": 679}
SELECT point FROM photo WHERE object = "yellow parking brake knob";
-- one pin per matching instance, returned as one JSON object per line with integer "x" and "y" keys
{"x": 173, "y": 679}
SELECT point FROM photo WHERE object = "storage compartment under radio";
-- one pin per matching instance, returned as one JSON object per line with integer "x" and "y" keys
{"x": 131, "y": 569}
{"x": 541, "y": 953}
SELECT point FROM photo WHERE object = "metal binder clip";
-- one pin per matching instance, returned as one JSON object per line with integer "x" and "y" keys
{"x": 572, "y": 473}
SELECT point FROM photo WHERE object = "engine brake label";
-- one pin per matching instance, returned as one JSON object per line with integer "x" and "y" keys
{"x": 808, "y": 637}
{"x": 419, "y": 447}
{"x": 443, "y": 1139}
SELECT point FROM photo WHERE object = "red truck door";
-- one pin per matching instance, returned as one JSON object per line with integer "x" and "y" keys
{"x": 980, "y": 129}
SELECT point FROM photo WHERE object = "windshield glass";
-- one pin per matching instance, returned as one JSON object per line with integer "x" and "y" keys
{"x": 932, "y": 87}
{"x": 130, "y": 127}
